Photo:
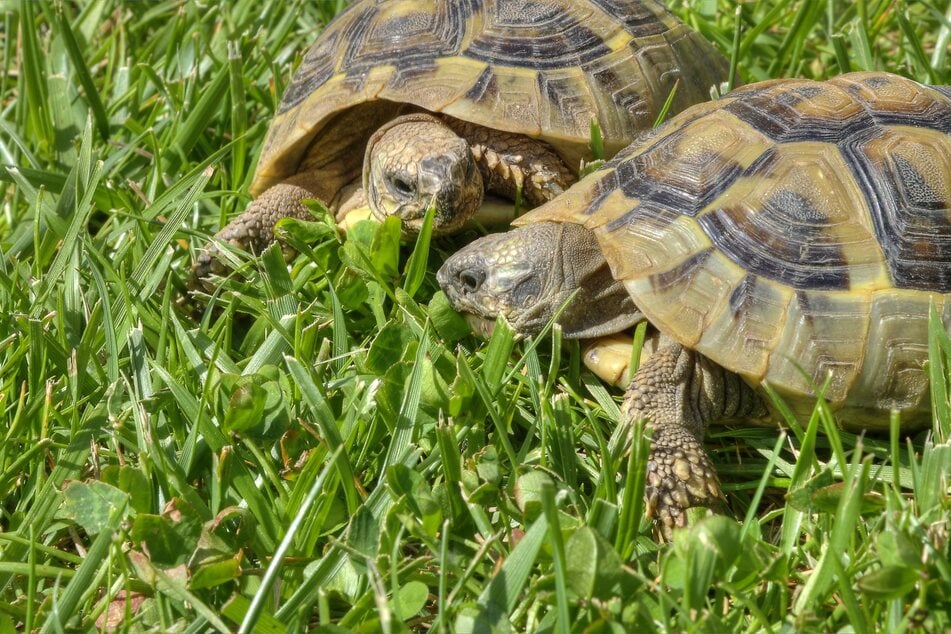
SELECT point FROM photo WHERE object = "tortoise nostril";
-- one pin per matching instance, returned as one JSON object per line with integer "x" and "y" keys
{"x": 471, "y": 280}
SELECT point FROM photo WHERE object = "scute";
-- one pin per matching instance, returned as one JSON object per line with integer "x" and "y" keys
{"x": 640, "y": 19}
{"x": 688, "y": 295}
{"x": 686, "y": 170}
{"x": 905, "y": 174}
{"x": 821, "y": 343}
{"x": 893, "y": 375}
{"x": 536, "y": 68}
{"x": 748, "y": 325}
{"x": 797, "y": 217}
{"x": 536, "y": 35}
{"x": 892, "y": 99}
{"x": 802, "y": 110}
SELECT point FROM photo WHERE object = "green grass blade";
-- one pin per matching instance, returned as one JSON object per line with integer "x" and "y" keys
{"x": 148, "y": 262}
{"x": 940, "y": 53}
{"x": 248, "y": 624}
{"x": 502, "y": 592}
{"x": 558, "y": 550}
{"x": 237, "y": 608}
{"x": 406, "y": 421}
{"x": 939, "y": 351}
{"x": 200, "y": 116}
{"x": 327, "y": 422}
{"x": 416, "y": 265}
{"x": 596, "y": 141}
{"x": 239, "y": 113}
{"x": 665, "y": 109}
{"x": 65, "y": 30}
{"x": 66, "y": 604}
{"x": 735, "y": 50}
{"x": 85, "y": 177}
{"x": 32, "y": 76}
{"x": 858, "y": 35}
{"x": 635, "y": 479}
{"x": 845, "y": 519}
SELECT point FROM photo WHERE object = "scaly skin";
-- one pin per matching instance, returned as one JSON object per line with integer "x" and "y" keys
{"x": 253, "y": 230}
{"x": 509, "y": 161}
{"x": 679, "y": 392}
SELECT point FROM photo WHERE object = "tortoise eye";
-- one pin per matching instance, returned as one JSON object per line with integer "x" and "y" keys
{"x": 401, "y": 187}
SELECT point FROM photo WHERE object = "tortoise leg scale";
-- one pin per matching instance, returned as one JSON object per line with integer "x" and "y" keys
{"x": 679, "y": 392}
{"x": 511, "y": 161}
{"x": 253, "y": 229}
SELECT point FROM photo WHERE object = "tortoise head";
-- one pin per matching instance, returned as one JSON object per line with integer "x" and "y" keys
{"x": 416, "y": 161}
{"x": 527, "y": 274}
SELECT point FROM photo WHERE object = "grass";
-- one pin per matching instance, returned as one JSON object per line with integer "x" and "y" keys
{"x": 327, "y": 447}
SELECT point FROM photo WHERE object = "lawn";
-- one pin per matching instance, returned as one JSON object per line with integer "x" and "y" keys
{"x": 325, "y": 446}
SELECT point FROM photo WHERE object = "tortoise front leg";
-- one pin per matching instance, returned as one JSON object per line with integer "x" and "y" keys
{"x": 253, "y": 229}
{"x": 679, "y": 392}
{"x": 509, "y": 162}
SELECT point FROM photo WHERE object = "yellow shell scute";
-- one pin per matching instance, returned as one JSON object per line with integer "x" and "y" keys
{"x": 683, "y": 299}
{"x": 745, "y": 329}
{"x": 898, "y": 349}
{"x": 823, "y": 338}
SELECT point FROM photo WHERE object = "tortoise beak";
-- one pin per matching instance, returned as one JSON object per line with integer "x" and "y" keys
{"x": 481, "y": 326}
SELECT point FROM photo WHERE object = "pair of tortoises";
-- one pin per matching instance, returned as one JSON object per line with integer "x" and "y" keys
{"x": 794, "y": 232}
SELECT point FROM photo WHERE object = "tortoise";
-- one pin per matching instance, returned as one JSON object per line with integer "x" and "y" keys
{"x": 794, "y": 233}
{"x": 405, "y": 103}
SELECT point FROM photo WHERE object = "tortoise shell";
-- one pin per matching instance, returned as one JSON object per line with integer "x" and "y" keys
{"x": 543, "y": 69}
{"x": 795, "y": 232}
